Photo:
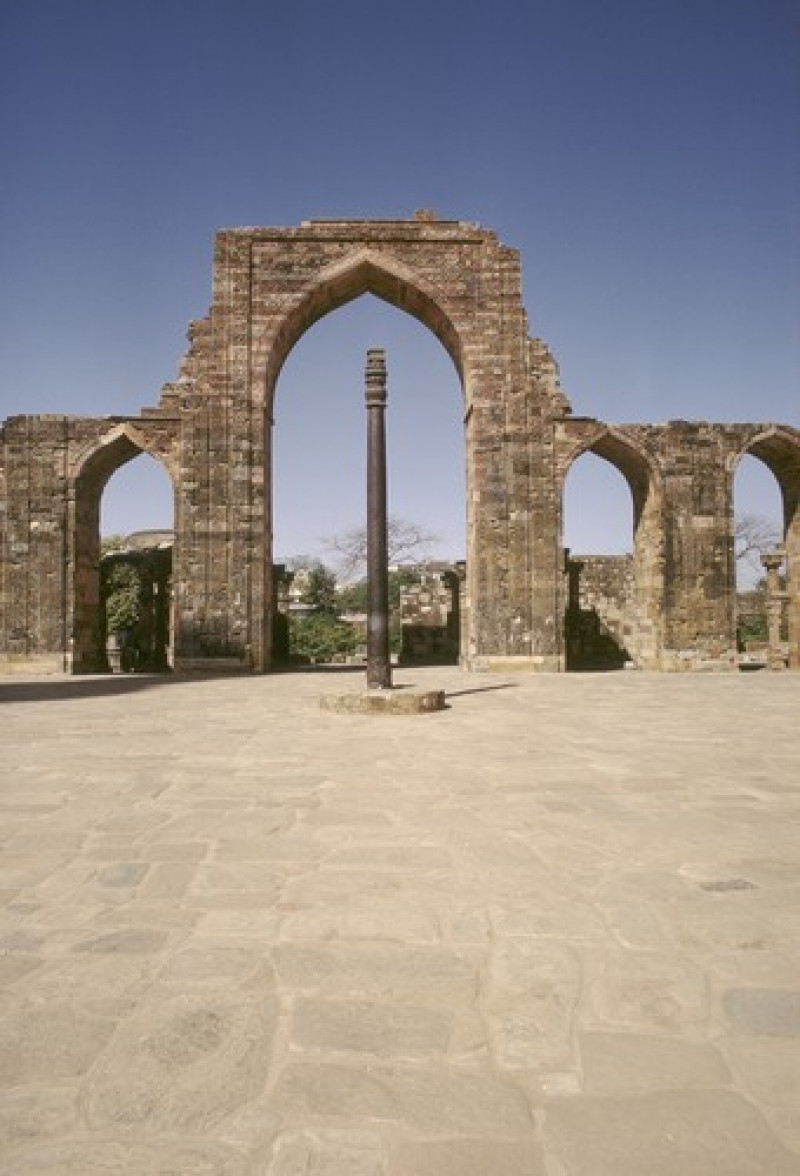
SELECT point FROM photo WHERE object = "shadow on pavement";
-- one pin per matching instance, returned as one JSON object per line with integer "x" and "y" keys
{"x": 482, "y": 689}
{"x": 67, "y": 689}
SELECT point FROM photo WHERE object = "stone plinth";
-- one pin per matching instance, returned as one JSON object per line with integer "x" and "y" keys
{"x": 385, "y": 702}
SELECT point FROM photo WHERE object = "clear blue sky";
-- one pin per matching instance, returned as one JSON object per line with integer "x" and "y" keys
{"x": 643, "y": 155}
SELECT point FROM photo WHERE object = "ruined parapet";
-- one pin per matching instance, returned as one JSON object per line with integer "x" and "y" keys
{"x": 546, "y": 377}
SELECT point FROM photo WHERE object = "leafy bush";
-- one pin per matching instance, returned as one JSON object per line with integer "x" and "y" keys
{"x": 123, "y": 590}
{"x": 320, "y": 591}
{"x": 321, "y": 637}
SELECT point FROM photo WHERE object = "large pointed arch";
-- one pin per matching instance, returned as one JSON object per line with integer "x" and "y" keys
{"x": 365, "y": 272}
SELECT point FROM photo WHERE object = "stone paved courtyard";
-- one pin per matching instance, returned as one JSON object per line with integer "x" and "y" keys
{"x": 554, "y": 929}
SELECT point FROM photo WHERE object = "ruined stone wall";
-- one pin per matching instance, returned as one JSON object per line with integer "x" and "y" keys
{"x": 212, "y": 428}
{"x": 601, "y": 620}
{"x": 34, "y": 482}
{"x": 52, "y": 473}
{"x": 429, "y": 619}
{"x": 681, "y": 480}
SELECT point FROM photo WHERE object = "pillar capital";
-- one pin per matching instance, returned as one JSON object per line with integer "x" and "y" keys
{"x": 376, "y": 378}
{"x": 772, "y": 560}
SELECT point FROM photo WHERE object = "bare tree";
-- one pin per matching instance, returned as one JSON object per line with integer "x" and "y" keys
{"x": 752, "y": 535}
{"x": 405, "y": 539}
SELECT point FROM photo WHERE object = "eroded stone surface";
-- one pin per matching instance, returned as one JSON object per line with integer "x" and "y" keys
{"x": 531, "y": 997}
{"x": 329, "y": 1153}
{"x": 378, "y": 970}
{"x": 182, "y": 1065}
{"x": 112, "y": 1157}
{"x": 31, "y": 1114}
{"x": 48, "y": 1042}
{"x": 385, "y": 702}
{"x": 697, "y": 1133}
{"x": 422, "y": 1100}
{"x": 763, "y": 1012}
{"x": 628, "y": 1062}
{"x": 649, "y": 991}
{"x": 394, "y": 1032}
{"x": 466, "y": 1157}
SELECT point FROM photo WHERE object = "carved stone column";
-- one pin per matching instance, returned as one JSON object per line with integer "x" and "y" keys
{"x": 772, "y": 561}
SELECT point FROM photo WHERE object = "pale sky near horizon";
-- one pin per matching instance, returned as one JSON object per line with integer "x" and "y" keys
{"x": 643, "y": 156}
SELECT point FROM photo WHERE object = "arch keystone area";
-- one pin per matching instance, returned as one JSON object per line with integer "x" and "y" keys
{"x": 212, "y": 430}
{"x": 366, "y": 271}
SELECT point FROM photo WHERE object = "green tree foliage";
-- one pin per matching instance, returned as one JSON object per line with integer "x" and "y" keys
{"x": 752, "y": 622}
{"x": 123, "y": 597}
{"x": 321, "y": 637}
{"x": 753, "y": 628}
{"x": 355, "y": 597}
{"x": 320, "y": 591}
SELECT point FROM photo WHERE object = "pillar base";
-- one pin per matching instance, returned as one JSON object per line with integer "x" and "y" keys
{"x": 385, "y": 702}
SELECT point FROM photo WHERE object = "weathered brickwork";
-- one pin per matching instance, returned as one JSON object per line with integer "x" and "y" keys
{"x": 212, "y": 429}
{"x": 429, "y": 619}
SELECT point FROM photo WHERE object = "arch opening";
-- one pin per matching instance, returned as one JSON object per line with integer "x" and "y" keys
{"x": 123, "y": 549}
{"x": 383, "y": 278}
{"x": 613, "y": 558}
{"x": 766, "y": 495}
{"x": 319, "y": 466}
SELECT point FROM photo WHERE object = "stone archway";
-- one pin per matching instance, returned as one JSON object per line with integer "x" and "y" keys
{"x": 337, "y": 286}
{"x": 270, "y": 285}
{"x": 780, "y": 452}
{"x": 93, "y": 467}
{"x": 629, "y": 592}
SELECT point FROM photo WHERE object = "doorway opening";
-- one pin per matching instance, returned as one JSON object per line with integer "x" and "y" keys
{"x": 124, "y": 538}
{"x": 319, "y": 492}
{"x": 759, "y": 529}
{"x": 613, "y": 562}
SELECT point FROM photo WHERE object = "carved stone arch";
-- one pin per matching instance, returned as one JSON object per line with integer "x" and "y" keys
{"x": 366, "y": 271}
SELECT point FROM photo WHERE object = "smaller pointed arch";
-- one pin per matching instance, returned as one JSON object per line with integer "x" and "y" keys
{"x": 627, "y": 598}
{"x": 779, "y": 450}
{"x": 622, "y": 451}
{"x": 98, "y": 460}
